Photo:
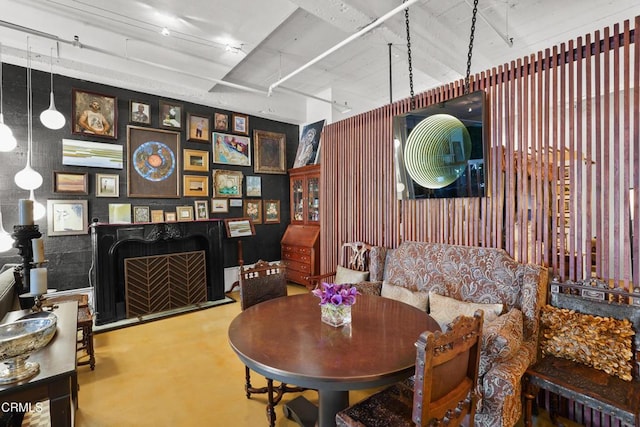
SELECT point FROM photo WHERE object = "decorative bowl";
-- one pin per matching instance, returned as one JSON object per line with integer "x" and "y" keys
{"x": 19, "y": 339}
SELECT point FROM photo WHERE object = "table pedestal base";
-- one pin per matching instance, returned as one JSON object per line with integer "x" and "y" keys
{"x": 306, "y": 413}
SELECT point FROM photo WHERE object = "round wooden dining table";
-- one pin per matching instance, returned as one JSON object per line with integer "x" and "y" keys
{"x": 285, "y": 340}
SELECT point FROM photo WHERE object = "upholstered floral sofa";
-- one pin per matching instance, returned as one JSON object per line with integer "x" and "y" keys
{"x": 514, "y": 293}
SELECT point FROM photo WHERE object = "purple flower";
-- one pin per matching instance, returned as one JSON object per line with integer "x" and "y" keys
{"x": 336, "y": 294}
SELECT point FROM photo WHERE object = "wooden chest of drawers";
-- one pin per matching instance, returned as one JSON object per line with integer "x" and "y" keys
{"x": 300, "y": 248}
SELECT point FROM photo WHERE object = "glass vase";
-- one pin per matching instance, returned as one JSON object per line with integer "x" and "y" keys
{"x": 335, "y": 315}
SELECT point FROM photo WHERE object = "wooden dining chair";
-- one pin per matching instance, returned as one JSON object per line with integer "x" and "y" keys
{"x": 443, "y": 390}
{"x": 262, "y": 282}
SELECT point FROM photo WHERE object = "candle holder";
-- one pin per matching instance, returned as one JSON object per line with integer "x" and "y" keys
{"x": 23, "y": 234}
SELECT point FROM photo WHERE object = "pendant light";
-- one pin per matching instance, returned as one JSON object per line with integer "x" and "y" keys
{"x": 39, "y": 210}
{"x": 28, "y": 178}
{"x": 6, "y": 241}
{"x": 7, "y": 140}
{"x": 52, "y": 118}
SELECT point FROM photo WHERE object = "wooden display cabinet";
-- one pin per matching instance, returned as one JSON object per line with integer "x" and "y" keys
{"x": 301, "y": 242}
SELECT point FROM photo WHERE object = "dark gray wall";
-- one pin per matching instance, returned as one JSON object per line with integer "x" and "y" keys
{"x": 70, "y": 256}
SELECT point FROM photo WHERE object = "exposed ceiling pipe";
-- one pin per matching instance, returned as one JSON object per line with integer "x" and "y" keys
{"x": 346, "y": 41}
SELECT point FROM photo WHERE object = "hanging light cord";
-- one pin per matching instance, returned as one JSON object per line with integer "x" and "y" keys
{"x": 471, "y": 36}
{"x": 1, "y": 79}
{"x": 29, "y": 106}
{"x": 51, "y": 68}
{"x": 406, "y": 19}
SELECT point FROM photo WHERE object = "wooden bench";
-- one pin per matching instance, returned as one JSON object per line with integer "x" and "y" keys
{"x": 607, "y": 394}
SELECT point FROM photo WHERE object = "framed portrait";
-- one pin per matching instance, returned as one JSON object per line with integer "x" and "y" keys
{"x": 227, "y": 183}
{"x": 240, "y": 123}
{"x": 170, "y": 115}
{"x": 198, "y": 128}
{"x": 254, "y": 187}
{"x": 271, "y": 209}
{"x": 195, "y": 160}
{"x": 239, "y": 227}
{"x": 94, "y": 114}
{"x": 153, "y": 158}
{"x": 231, "y": 149}
{"x": 184, "y": 213}
{"x": 91, "y": 154}
{"x": 196, "y": 185}
{"x": 141, "y": 214}
{"x": 201, "y": 208}
{"x": 220, "y": 205}
{"x": 235, "y": 203}
{"x": 170, "y": 217}
{"x": 157, "y": 215}
{"x": 67, "y": 217}
{"x": 220, "y": 121}
{"x": 70, "y": 182}
{"x": 119, "y": 213}
{"x": 270, "y": 152}
{"x": 253, "y": 210}
{"x": 139, "y": 113}
{"x": 107, "y": 185}
{"x": 309, "y": 145}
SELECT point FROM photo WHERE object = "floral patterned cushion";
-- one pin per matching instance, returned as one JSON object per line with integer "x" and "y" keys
{"x": 501, "y": 339}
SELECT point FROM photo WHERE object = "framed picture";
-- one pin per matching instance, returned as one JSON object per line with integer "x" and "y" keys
{"x": 220, "y": 205}
{"x": 240, "y": 123}
{"x": 107, "y": 185}
{"x": 221, "y": 121}
{"x": 139, "y": 113}
{"x": 91, "y": 154}
{"x": 70, "y": 182}
{"x": 94, "y": 114}
{"x": 231, "y": 149}
{"x": 227, "y": 183}
{"x": 201, "y": 208}
{"x": 239, "y": 227}
{"x": 170, "y": 115}
{"x": 253, "y": 210}
{"x": 157, "y": 215}
{"x": 119, "y": 213}
{"x": 170, "y": 217}
{"x": 153, "y": 158}
{"x": 235, "y": 203}
{"x": 271, "y": 211}
{"x": 198, "y": 128}
{"x": 67, "y": 217}
{"x": 141, "y": 214}
{"x": 254, "y": 187}
{"x": 270, "y": 152}
{"x": 196, "y": 160}
{"x": 196, "y": 186}
{"x": 309, "y": 144}
{"x": 184, "y": 213}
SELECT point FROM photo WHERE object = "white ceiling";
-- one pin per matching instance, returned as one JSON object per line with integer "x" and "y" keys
{"x": 119, "y": 43}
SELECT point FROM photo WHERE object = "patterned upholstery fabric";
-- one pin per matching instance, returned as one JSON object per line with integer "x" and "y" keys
{"x": 480, "y": 275}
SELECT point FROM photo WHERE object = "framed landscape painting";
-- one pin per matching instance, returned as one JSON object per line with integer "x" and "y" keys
{"x": 70, "y": 182}
{"x": 91, "y": 154}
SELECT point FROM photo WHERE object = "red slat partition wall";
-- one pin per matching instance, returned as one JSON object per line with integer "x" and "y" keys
{"x": 563, "y": 154}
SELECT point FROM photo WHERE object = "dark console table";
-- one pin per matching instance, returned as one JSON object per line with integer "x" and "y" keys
{"x": 113, "y": 243}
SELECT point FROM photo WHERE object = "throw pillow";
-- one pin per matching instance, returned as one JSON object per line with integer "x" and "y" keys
{"x": 417, "y": 299}
{"x": 603, "y": 343}
{"x": 345, "y": 275}
{"x": 444, "y": 309}
{"x": 502, "y": 337}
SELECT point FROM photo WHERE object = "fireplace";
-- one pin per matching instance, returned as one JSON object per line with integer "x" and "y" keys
{"x": 115, "y": 245}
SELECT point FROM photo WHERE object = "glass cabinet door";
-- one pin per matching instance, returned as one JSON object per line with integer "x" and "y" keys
{"x": 297, "y": 201}
{"x": 313, "y": 199}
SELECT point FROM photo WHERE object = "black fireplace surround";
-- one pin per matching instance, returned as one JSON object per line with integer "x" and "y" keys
{"x": 113, "y": 243}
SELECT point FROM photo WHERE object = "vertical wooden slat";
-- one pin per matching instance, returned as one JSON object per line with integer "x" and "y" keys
{"x": 606, "y": 112}
{"x": 636, "y": 156}
{"x": 626, "y": 156}
{"x": 555, "y": 148}
{"x": 536, "y": 125}
{"x": 616, "y": 152}
{"x": 588, "y": 156}
{"x": 562, "y": 179}
{"x": 573, "y": 158}
{"x": 597, "y": 131}
{"x": 544, "y": 178}
{"x": 579, "y": 159}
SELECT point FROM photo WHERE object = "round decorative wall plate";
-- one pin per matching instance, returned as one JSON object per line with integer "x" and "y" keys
{"x": 154, "y": 161}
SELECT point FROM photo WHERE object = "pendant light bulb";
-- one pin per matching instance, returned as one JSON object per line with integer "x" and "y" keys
{"x": 28, "y": 178}
{"x": 6, "y": 241}
{"x": 52, "y": 118}
{"x": 7, "y": 140}
{"x": 39, "y": 210}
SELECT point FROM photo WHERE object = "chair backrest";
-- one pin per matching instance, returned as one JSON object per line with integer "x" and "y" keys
{"x": 447, "y": 373}
{"x": 261, "y": 282}
{"x": 355, "y": 256}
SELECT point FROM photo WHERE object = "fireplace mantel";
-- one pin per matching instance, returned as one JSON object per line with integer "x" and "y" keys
{"x": 113, "y": 243}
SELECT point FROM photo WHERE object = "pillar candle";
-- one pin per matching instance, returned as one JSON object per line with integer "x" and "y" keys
{"x": 38, "y": 250}
{"x": 38, "y": 281}
{"x": 25, "y": 212}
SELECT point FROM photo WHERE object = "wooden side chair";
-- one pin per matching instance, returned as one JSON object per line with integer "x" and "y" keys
{"x": 443, "y": 390}
{"x": 259, "y": 283}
